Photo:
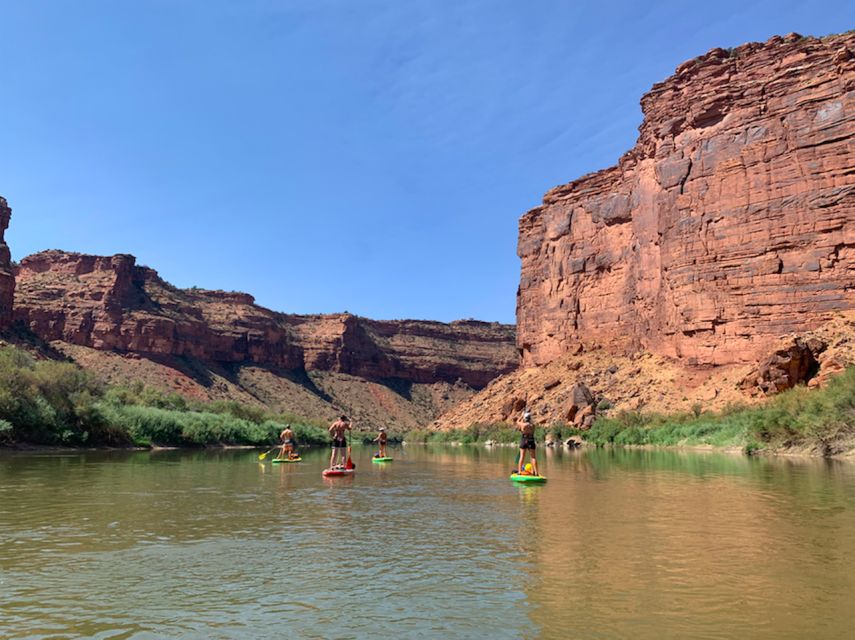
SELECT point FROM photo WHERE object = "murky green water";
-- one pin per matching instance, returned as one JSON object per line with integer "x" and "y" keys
{"x": 618, "y": 544}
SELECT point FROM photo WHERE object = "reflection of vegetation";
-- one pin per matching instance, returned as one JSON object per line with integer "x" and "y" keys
{"x": 49, "y": 402}
{"x": 392, "y": 437}
{"x": 471, "y": 435}
{"x": 822, "y": 420}
{"x": 502, "y": 433}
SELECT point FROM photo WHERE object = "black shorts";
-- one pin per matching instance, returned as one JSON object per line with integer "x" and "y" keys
{"x": 527, "y": 442}
{"x": 339, "y": 444}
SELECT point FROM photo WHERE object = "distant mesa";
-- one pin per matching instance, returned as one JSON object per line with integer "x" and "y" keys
{"x": 101, "y": 310}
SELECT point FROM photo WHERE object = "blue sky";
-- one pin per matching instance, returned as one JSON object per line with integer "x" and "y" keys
{"x": 327, "y": 155}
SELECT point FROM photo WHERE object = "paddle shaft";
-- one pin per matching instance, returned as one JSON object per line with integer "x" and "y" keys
{"x": 267, "y": 453}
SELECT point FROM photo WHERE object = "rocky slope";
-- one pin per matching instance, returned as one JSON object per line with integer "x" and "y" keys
{"x": 728, "y": 227}
{"x": 643, "y": 381}
{"x": 7, "y": 280}
{"x": 123, "y": 321}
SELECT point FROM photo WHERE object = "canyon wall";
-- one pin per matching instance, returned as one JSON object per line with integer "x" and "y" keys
{"x": 7, "y": 279}
{"x": 112, "y": 305}
{"x": 729, "y": 224}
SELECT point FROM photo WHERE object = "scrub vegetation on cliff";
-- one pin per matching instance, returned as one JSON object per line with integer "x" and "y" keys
{"x": 55, "y": 403}
{"x": 819, "y": 421}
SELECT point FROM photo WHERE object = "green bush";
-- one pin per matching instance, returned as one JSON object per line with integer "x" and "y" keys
{"x": 58, "y": 403}
{"x": 473, "y": 434}
{"x": 823, "y": 419}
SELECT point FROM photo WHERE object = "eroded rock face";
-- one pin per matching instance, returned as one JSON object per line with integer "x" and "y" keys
{"x": 7, "y": 279}
{"x": 111, "y": 304}
{"x": 790, "y": 364}
{"x": 731, "y": 223}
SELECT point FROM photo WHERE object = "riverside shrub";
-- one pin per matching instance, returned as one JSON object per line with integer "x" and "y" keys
{"x": 822, "y": 419}
{"x": 58, "y": 403}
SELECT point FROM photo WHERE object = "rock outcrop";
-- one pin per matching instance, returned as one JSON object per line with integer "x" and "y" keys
{"x": 730, "y": 224}
{"x": 7, "y": 279}
{"x": 793, "y": 363}
{"x": 221, "y": 344}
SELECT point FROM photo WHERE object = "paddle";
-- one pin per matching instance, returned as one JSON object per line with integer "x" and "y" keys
{"x": 267, "y": 453}
{"x": 349, "y": 464}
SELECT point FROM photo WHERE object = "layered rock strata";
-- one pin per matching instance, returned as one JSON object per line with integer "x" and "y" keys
{"x": 88, "y": 304}
{"x": 731, "y": 222}
{"x": 7, "y": 278}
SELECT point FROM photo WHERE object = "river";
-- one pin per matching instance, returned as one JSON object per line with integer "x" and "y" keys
{"x": 618, "y": 544}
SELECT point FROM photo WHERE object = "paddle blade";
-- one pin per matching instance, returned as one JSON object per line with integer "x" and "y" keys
{"x": 262, "y": 456}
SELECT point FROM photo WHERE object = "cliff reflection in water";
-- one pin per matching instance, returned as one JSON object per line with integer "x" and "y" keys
{"x": 618, "y": 543}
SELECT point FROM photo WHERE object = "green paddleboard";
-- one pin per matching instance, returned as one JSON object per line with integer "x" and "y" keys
{"x": 524, "y": 478}
{"x": 284, "y": 460}
{"x": 382, "y": 459}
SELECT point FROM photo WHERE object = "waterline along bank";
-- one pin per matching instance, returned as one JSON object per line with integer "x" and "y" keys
{"x": 817, "y": 422}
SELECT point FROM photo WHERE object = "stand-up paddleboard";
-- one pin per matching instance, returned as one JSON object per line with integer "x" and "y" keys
{"x": 285, "y": 460}
{"x": 516, "y": 477}
{"x": 337, "y": 472}
{"x": 379, "y": 459}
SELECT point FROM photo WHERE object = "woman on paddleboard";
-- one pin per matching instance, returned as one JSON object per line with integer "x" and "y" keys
{"x": 381, "y": 441}
{"x": 527, "y": 443}
{"x": 338, "y": 429}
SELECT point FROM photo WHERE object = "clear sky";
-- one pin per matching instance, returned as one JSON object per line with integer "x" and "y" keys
{"x": 327, "y": 155}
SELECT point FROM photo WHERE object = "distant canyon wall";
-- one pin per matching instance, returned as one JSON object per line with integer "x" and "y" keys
{"x": 110, "y": 303}
{"x": 729, "y": 224}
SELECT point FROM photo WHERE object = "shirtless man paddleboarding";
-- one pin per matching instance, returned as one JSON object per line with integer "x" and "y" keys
{"x": 338, "y": 430}
{"x": 289, "y": 444}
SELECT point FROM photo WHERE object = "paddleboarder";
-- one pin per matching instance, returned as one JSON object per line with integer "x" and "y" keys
{"x": 338, "y": 430}
{"x": 527, "y": 443}
{"x": 381, "y": 441}
{"x": 289, "y": 444}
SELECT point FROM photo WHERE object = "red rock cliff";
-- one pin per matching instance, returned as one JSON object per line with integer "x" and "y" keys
{"x": 730, "y": 223}
{"x": 111, "y": 304}
{"x": 7, "y": 280}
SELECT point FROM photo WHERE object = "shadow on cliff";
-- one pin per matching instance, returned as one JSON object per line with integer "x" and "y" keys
{"x": 232, "y": 373}
{"x": 403, "y": 388}
{"x": 21, "y": 336}
{"x": 190, "y": 367}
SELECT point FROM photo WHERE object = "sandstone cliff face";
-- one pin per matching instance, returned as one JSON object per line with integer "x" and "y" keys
{"x": 221, "y": 344}
{"x": 109, "y": 303}
{"x": 7, "y": 279}
{"x": 730, "y": 224}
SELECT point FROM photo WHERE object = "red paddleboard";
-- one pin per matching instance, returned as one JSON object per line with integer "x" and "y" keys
{"x": 338, "y": 472}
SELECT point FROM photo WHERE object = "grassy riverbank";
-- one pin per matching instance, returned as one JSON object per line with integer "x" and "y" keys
{"x": 60, "y": 404}
{"x": 817, "y": 421}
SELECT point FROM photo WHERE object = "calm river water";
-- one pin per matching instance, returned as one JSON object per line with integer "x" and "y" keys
{"x": 618, "y": 544}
